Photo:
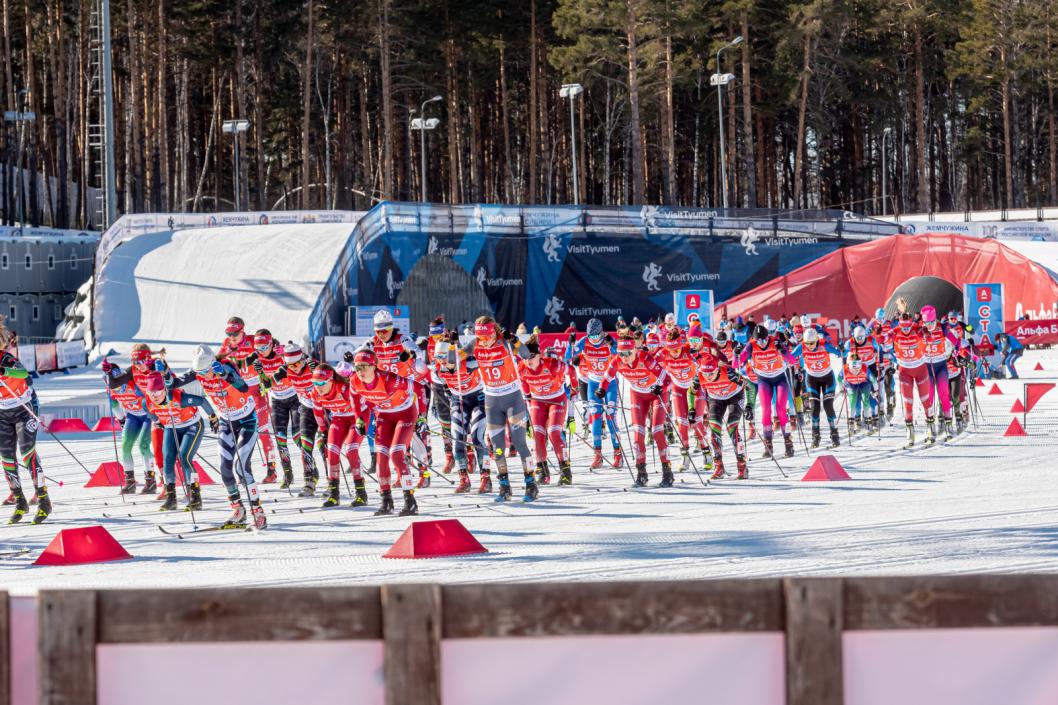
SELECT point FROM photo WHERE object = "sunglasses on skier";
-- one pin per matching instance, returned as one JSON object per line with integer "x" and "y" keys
{"x": 362, "y": 367}
{"x": 320, "y": 382}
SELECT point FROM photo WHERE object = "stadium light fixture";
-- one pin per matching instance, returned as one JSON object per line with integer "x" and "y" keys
{"x": 236, "y": 127}
{"x": 571, "y": 91}
{"x": 720, "y": 80}
{"x": 422, "y": 125}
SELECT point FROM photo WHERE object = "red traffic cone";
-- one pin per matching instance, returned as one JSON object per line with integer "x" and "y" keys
{"x": 995, "y": 389}
{"x": 826, "y": 467}
{"x": 109, "y": 474}
{"x": 1038, "y": 367}
{"x": 432, "y": 539}
{"x": 91, "y": 544}
{"x": 107, "y": 423}
{"x": 1017, "y": 408}
{"x": 1015, "y": 428}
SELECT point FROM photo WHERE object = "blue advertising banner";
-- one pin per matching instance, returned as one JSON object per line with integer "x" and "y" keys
{"x": 983, "y": 304}
{"x": 688, "y": 301}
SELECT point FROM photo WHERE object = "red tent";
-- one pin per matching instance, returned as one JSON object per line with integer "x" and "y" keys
{"x": 858, "y": 279}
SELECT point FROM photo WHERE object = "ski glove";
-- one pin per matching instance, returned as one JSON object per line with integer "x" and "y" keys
{"x": 361, "y": 427}
{"x": 159, "y": 366}
{"x": 600, "y": 393}
{"x": 404, "y": 356}
{"x": 108, "y": 366}
{"x": 348, "y": 356}
{"x": 216, "y": 367}
{"x": 258, "y": 367}
{"x": 214, "y": 424}
{"x": 656, "y": 390}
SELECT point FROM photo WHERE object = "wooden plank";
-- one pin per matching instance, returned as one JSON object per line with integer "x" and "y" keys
{"x": 239, "y": 614}
{"x": 5, "y": 649}
{"x": 941, "y": 602}
{"x": 654, "y": 607}
{"x": 412, "y": 625}
{"x": 814, "y": 670}
{"x": 66, "y": 640}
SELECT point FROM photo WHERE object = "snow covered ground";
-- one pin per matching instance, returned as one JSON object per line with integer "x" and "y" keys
{"x": 983, "y": 503}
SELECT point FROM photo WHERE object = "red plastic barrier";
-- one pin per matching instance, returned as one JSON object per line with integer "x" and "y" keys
{"x": 68, "y": 426}
{"x": 108, "y": 424}
{"x": 91, "y": 544}
{"x": 826, "y": 467}
{"x": 433, "y": 539}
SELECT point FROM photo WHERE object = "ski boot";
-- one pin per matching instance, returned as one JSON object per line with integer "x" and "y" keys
{"x": 667, "y": 480}
{"x": 949, "y": 432}
{"x": 788, "y": 442}
{"x": 566, "y": 474}
{"x": 359, "y": 493}
{"x": 150, "y": 483}
{"x": 743, "y": 467}
{"x": 270, "y": 474}
{"x": 910, "y": 435}
{"x": 752, "y": 431}
{"x": 331, "y": 498}
{"x": 162, "y": 494}
{"x": 21, "y": 507}
{"x": 815, "y": 437}
{"x": 43, "y": 505}
{"x": 835, "y": 440}
{"x": 130, "y": 483}
{"x": 386, "y": 507}
{"x": 260, "y": 521}
{"x": 194, "y": 501}
{"x": 707, "y": 459}
{"x": 237, "y": 518}
{"x": 768, "y": 450}
{"x": 543, "y": 473}
{"x": 464, "y": 483}
{"x": 641, "y": 475}
{"x": 532, "y": 491}
{"x": 685, "y": 462}
{"x": 450, "y": 462}
{"x": 485, "y": 485}
{"x": 170, "y": 498}
{"x": 424, "y": 478}
{"x": 309, "y": 489}
{"x": 670, "y": 436}
{"x": 618, "y": 458}
{"x": 411, "y": 507}
{"x": 718, "y": 469}
{"x": 505, "y": 493}
{"x": 931, "y": 431}
{"x": 596, "y": 461}
{"x": 288, "y": 479}
{"x": 10, "y": 499}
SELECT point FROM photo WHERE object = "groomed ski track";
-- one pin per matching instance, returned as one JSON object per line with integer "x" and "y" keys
{"x": 983, "y": 503}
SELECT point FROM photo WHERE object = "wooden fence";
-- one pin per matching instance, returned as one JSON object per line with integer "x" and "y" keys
{"x": 412, "y": 620}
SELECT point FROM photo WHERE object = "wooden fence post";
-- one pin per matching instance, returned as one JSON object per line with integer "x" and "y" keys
{"x": 814, "y": 622}
{"x": 5, "y": 649}
{"x": 66, "y": 624}
{"x": 411, "y": 627}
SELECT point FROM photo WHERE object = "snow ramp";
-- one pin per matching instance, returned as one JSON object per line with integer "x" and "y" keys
{"x": 178, "y": 288}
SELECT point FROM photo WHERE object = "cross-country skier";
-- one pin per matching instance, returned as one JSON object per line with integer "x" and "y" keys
{"x": 860, "y": 383}
{"x": 676, "y": 358}
{"x": 820, "y": 382}
{"x": 864, "y": 347}
{"x": 961, "y": 359}
{"x": 504, "y": 404}
{"x": 462, "y": 380}
{"x": 590, "y": 355}
{"x": 123, "y": 386}
{"x": 724, "y": 388}
{"x": 939, "y": 346}
{"x": 769, "y": 360}
{"x": 233, "y": 401}
{"x": 339, "y": 410}
{"x": 396, "y": 410}
{"x": 646, "y": 380}
{"x": 130, "y": 396}
{"x": 238, "y": 350}
{"x": 297, "y": 371}
{"x": 18, "y": 432}
{"x": 282, "y": 397}
{"x": 543, "y": 383}
{"x": 909, "y": 347}
{"x": 439, "y": 400}
{"x": 177, "y": 412}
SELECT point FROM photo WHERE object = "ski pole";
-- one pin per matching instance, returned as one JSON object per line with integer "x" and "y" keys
{"x": 694, "y": 466}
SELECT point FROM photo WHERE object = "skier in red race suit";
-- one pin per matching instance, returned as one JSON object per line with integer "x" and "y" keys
{"x": 646, "y": 380}
{"x": 344, "y": 416}
{"x": 239, "y": 351}
{"x": 396, "y": 411}
{"x": 543, "y": 382}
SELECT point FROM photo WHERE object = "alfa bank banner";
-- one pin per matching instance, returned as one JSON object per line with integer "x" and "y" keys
{"x": 1038, "y": 332}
